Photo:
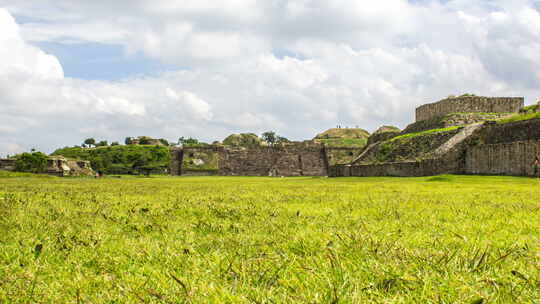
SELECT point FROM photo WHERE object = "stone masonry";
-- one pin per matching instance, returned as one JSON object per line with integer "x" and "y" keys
{"x": 469, "y": 104}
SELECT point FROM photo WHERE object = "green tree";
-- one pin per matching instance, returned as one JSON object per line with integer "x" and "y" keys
{"x": 115, "y": 143}
{"x": 35, "y": 162}
{"x": 187, "y": 141}
{"x": 128, "y": 140}
{"x": 164, "y": 142}
{"x": 144, "y": 141}
{"x": 269, "y": 137}
{"x": 281, "y": 139}
{"x": 90, "y": 142}
{"x": 102, "y": 143}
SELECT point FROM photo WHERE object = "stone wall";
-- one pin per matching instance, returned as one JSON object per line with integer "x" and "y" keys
{"x": 295, "y": 159}
{"x": 7, "y": 164}
{"x": 450, "y": 120}
{"x": 508, "y": 132}
{"x": 451, "y": 163}
{"x": 470, "y": 104}
{"x": 341, "y": 155}
{"x": 514, "y": 158}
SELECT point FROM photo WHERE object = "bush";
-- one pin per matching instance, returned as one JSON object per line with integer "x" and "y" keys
{"x": 35, "y": 162}
{"x": 121, "y": 159}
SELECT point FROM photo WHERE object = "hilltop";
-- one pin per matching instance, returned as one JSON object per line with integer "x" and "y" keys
{"x": 351, "y": 137}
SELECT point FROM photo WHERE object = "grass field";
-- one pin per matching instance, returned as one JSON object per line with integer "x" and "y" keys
{"x": 448, "y": 239}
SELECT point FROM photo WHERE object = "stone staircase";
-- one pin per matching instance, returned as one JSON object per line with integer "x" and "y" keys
{"x": 457, "y": 139}
{"x": 365, "y": 152}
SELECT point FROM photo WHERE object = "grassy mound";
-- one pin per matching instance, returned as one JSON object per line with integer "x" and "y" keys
{"x": 338, "y": 137}
{"x": 246, "y": 140}
{"x": 343, "y": 133}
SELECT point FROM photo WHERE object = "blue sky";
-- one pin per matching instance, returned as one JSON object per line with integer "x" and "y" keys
{"x": 76, "y": 69}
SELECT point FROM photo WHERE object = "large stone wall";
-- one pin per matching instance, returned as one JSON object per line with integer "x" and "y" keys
{"x": 469, "y": 104}
{"x": 514, "y": 158}
{"x": 451, "y": 163}
{"x": 296, "y": 159}
{"x": 451, "y": 120}
{"x": 508, "y": 132}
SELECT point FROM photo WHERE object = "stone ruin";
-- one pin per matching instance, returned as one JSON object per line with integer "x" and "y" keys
{"x": 57, "y": 166}
{"x": 458, "y": 135}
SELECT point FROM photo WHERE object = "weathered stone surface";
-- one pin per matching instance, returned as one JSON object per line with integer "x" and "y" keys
{"x": 514, "y": 158}
{"x": 451, "y": 120}
{"x": 383, "y": 133}
{"x": 291, "y": 159}
{"x": 509, "y": 132}
{"x": 469, "y": 104}
{"x": 403, "y": 149}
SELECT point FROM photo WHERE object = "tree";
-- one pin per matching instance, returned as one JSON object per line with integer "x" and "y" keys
{"x": 35, "y": 162}
{"x": 269, "y": 137}
{"x": 115, "y": 143}
{"x": 128, "y": 140}
{"x": 187, "y": 141}
{"x": 90, "y": 142}
{"x": 102, "y": 143}
{"x": 164, "y": 141}
{"x": 281, "y": 139}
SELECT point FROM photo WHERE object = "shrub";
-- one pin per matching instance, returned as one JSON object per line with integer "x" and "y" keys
{"x": 35, "y": 162}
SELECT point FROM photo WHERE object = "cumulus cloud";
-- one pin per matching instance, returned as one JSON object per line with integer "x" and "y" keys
{"x": 294, "y": 66}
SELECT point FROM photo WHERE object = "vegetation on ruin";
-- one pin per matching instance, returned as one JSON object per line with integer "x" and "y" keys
{"x": 34, "y": 162}
{"x": 343, "y": 142}
{"x": 519, "y": 117}
{"x": 526, "y": 113}
{"x": 200, "y": 160}
{"x": 343, "y": 133}
{"x": 446, "y": 239}
{"x": 246, "y": 140}
{"x": 130, "y": 159}
{"x": 427, "y": 132}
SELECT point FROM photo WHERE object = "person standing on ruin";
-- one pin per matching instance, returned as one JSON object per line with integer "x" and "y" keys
{"x": 536, "y": 166}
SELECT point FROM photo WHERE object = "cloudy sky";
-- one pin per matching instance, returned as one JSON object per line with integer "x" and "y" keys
{"x": 73, "y": 69}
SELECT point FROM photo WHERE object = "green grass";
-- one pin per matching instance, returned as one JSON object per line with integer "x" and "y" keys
{"x": 446, "y": 239}
{"x": 519, "y": 117}
{"x": 344, "y": 142}
{"x": 9, "y": 174}
{"x": 411, "y": 135}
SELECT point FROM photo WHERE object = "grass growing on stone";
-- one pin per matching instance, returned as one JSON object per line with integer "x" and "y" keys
{"x": 519, "y": 117}
{"x": 446, "y": 239}
{"x": 344, "y": 142}
{"x": 411, "y": 135}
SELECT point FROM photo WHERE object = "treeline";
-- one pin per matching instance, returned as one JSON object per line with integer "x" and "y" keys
{"x": 117, "y": 159}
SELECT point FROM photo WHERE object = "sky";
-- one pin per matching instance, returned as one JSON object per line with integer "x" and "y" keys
{"x": 74, "y": 69}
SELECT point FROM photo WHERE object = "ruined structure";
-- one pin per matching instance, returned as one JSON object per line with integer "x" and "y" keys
{"x": 289, "y": 159}
{"x": 57, "y": 166}
{"x": 469, "y": 104}
{"x": 460, "y": 135}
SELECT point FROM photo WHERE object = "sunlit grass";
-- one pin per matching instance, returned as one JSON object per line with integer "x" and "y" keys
{"x": 446, "y": 239}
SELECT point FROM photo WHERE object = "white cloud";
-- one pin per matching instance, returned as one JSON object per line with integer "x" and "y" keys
{"x": 295, "y": 66}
